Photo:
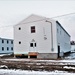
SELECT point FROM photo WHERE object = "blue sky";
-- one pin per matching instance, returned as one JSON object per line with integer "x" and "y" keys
{"x": 13, "y": 11}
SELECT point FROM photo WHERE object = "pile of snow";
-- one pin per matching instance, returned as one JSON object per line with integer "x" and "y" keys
{"x": 3, "y": 67}
{"x": 69, "y": 67}
{"x": 26, "y": 72}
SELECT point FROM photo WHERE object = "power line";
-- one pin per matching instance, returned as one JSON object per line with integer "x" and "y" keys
{"x": 41, "y": 19}
{"x": 63, "y": 15}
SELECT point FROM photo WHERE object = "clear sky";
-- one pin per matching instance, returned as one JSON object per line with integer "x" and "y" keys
{"x": 13, "y": 11}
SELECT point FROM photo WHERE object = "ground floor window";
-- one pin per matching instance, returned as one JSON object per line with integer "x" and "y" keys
{"x": 2, "y": 48}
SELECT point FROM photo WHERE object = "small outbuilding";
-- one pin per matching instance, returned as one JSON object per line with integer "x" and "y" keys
{"x": 40, "y": 37}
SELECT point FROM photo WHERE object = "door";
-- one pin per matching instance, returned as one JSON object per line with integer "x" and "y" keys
{"x": 58, "y": 51}
{"x": 33, "y": 47}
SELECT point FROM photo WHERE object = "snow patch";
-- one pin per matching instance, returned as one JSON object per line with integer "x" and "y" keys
{"x": 3, "y": 66}
{"x": 26, "y": 72}
{"x": 69, "y": 67}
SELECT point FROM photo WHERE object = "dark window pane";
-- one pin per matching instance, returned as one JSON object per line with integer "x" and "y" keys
{"x": 11, "y": 48}
{"x": 35, "y": 44}
{"x": 19, "y": 28}
{"x": 11, "y": 42}
{"x": 7, "y": 48}
{"x": 33, "y": 29}
{"x": 2, "y": 41}
{"x": 19, "y": 42}
{"x": 7, "y": 41}
{"x": 31, "y": 44}
{"x": 2, "y": 48}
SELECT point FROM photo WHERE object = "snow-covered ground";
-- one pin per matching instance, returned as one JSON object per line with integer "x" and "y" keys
{"x": 25, "y": 72}
{"x": 70, "y": 57}
{"x": 69, "y": 60}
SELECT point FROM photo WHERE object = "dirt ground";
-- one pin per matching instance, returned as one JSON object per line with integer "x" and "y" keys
{"x": 33, "y": 65}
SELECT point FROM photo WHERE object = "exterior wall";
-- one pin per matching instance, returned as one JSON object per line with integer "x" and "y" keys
{"x": 43, "y": 30}
{"x": 48, "y": 35}
{"x": 5, "y": 45}
{"x": 63, "y": 40}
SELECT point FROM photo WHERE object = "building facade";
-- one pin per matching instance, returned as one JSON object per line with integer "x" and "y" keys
{"x": 40, "y": 37}
{"x": 6, "y": 46}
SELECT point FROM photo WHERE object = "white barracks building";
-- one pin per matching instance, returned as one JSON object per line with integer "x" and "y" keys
{"x": 40, "y": 37}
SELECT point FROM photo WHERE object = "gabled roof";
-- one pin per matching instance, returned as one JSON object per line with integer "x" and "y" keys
{"x": 63, "y": 28}
{"x": 32, "y": 18}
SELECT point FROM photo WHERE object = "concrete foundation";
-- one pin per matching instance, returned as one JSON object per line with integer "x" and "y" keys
{"x": 47, "y": 55}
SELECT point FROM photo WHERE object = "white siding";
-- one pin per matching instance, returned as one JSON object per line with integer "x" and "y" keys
{"x": 42, "y": 30}
{"x": 63, "y": 39}
{"x": 25, "y": 36}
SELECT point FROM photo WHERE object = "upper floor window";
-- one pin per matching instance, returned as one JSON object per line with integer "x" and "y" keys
{"x": 11, "y": 42}
{"x": 19, "y": 42}
{"x": 7, "y": 41}
{"x": 2, "y": 41}
{"x": 57, "y": 30}
{"x": 32, "y": 29}
{"x": 19, "y": 28}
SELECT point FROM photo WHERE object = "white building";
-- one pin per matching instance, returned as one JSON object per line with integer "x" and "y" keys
{"x": 40, "y": 37}
{"x": 6, "y": 46}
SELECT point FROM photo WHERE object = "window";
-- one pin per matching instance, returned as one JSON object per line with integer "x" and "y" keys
{"x": 60, "y": 32}
{"x": 11, "y": 48}
{"x": 2, "y": 41}
{"x": 57, "y": 30}
{"x": 32, "y": 29}
{"x": 7, "y": 48}
{"x": 2, "y": 48}
{"x": 35, "y": 44}
{"x": 11, "y": 42}
{"x": 19, "y": 28}
{"x": 19, "y": 42}
{"x": 31, "y": 44}
{"x": 7, "y": 41}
